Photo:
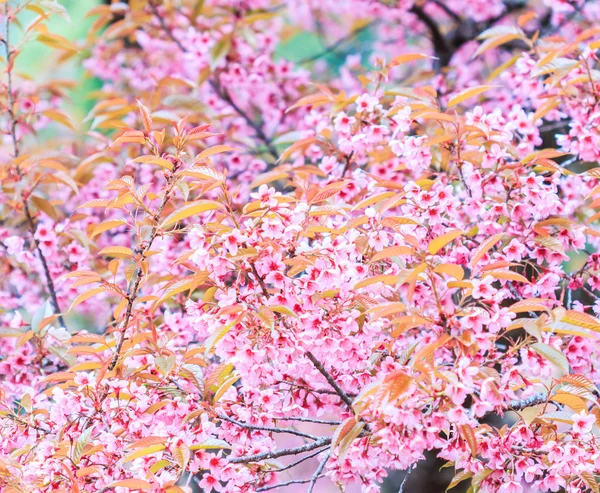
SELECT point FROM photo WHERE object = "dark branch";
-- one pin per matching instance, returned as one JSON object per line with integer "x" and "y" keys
{"x": 334, "y": 46}
{"x": 330, "y": 380}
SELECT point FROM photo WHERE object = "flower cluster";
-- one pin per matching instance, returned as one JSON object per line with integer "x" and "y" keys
{"x": 348, "y": 269}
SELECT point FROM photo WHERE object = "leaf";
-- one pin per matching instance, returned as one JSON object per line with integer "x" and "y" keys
{"x": 182, "y": 455}
{"x": 116, "y": 251}
{"x": 165, "y": 363}
{"x": 468, "y": 435}
{"x": 220, "y": 50}
{"x": 385, "y": 279}
{"x": 315, "y": 100}
{"x": 349, "y": 437}
{"x": 143, "y": 452}
{"x": 394, "y": 385}
{"x": 574, "y": 402}
{"x": 342, "y": 430}
{"x": 453, "y": 270}
{"x": 80, "y": 444}
{"x": 466, "y": 94}
{"x": 580, "y": 319}
{"x": 86, "y": 295}
{"x": 393, "y": 251}
{"x": 386, "y": 309}
{"x": 106, "y": 225}
{"x": 210, "y": 444}
{"x": 87, "y": 471}
{"x": 590, "y": 480}
{"x": 458, "y": 478}
{"x": 134, "y": 484}
{"x": 579, "y": 381}
{"x": 211, "y": 151}
{"x": 46, "y": 206}
{"x": 225, "y": 387}
{"x": 188, "y": 283}
{"x": 484, "y": 247}
{"x": 146, "y": 116}
{"x": 441, "y": 241}
{"x": 60, "y": 117}
{"x": 406, "y": 58}
{"x": 507, "y": 275}
{"x": 555, "y": 357}
{"x": 159, "y": 161}
{"x": 190, "y": 210}
{"x": 147, "y": 441}
{"x": 328, "y": 192}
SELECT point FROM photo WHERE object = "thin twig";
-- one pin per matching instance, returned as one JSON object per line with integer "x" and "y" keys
{"x": 313, "y": 391}
{"x": 287, "y": 483}
{"x": 281, "y": 453}
{"x": 335, "y": 45}
{"x": 268, "y": 428}
{"x": 257, "y": 127}
{"x": 317, "y": 474}
{"x": 309, "y": 420}
{"x": 401, "y": 489}
{"x": 300, "y": 461}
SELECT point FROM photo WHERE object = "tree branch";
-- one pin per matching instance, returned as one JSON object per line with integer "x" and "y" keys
{"x": 287, "y": 483}
{"x": 532, "y": 400}
{"x": 270, "y": 429}
{"x": 334, "y": 46}
{"x": 222, "y": 93}
{"x": 317, "y": 474}
{"x": 340, "y": 392}
{"x": 280, "y": 453}
{"x": 51, "y": 289}
{"x": 132, "y": 293}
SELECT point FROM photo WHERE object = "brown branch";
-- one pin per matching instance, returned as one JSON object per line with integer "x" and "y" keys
{"x": 50, "y": 288}
{"x": 222, "y": 93}
{"x": 257, "y": 127}
{"x": 330, "y": 380}
{"x": 132, "y": 293}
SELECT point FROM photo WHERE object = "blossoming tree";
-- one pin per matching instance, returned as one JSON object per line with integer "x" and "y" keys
{"x": 247, "y": 273}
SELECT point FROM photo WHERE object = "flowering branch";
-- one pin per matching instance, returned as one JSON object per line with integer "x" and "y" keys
{"x": 51, "y": 289}
{"x": 221, "y": 92}
{"x": 133, "y": 291}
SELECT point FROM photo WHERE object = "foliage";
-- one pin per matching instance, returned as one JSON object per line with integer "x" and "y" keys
{"x": 247, "y": 273}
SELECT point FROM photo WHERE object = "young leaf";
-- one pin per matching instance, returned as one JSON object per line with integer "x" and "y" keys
{"x": 441, "y": 241}
{"x": 190, "y": 210}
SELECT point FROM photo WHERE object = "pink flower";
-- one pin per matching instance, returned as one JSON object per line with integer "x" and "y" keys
{"x": 366, "y": 103}
{"x": 482, "y": 288}
{"x": 511, "y": 487}
{"x": 583, "y": 422}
